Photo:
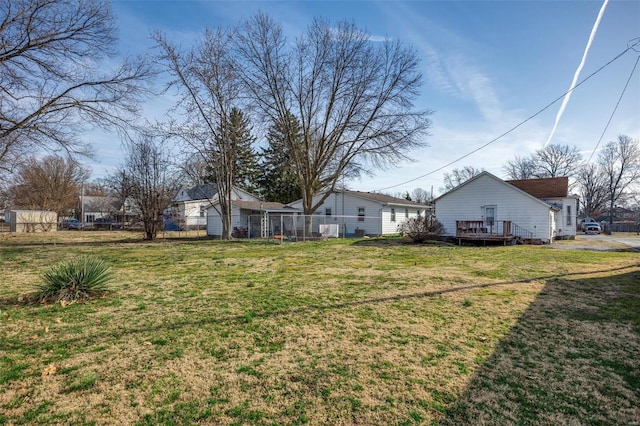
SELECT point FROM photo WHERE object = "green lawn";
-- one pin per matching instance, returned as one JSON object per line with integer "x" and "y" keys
{"x": 338, "y": 332}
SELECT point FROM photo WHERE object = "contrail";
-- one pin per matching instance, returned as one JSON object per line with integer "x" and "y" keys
{"x": 577, "y": 74}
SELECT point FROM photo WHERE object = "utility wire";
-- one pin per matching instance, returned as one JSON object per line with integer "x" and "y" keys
{"x": 614, "y": 109}
{"x": 630, "y": 47}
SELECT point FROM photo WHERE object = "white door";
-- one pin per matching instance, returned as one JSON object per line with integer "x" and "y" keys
{"x": 489, "y": 215}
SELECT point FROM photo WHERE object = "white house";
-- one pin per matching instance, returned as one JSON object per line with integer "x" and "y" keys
{"x": 96, "y": 207}
{"x": 364, "y": 213}
{"x": 189, "y": 206}
{"x": 486, "y": 206}
{"x": 555, "y": 192}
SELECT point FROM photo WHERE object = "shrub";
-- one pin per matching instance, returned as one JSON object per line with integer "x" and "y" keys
{"x": 78, "y": 279}
{"x": 420, "y": 228}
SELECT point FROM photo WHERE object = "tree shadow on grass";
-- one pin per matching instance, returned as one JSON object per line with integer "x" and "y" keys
{"x": 238, "y": 319}
{"x": 572, "y": 358}
{"x": 398, "y": 242}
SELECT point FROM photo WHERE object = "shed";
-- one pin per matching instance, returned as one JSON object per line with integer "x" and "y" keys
{"x": 33, "y": 221}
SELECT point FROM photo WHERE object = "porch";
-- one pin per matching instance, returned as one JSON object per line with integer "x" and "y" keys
{"x": 501, "y": 231}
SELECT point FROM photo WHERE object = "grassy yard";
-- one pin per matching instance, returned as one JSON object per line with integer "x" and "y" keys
{"x": 368, "y": 331}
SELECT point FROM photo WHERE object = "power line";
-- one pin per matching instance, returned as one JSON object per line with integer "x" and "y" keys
{"x": 630, "y": 47}
{"x": 614, "y": 109}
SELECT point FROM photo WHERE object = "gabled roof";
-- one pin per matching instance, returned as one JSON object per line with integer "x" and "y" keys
{"x": 497, "y": 179}
{"x": 556, "y": 187}
{"x": 202, "y": 192}
{"x": 94, "y": 203}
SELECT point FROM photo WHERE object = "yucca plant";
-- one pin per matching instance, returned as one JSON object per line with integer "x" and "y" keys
{"x": 77, "y": 279}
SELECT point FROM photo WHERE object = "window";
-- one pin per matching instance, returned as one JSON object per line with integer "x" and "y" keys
{"x": 360, "y": 214}
{"x": 406, "y": 213}
{"x": 202, "y": 210}
{"x": 327, "y": 211}
{"x": 569, "y": 215}
{"x": 90, "y": 218}
{"x": 393, "y": 215}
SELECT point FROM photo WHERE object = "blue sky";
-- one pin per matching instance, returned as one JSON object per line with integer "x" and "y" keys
{"x": 487, "y": 65}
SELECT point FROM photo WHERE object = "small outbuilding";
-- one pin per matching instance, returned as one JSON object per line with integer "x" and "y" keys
{"x": 33, "y": 221}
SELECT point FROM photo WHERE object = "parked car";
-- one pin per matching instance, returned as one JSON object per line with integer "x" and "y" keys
{"x": 591, "y": 228}
{"x": 584, "y": 222}
{"x": 70, "y": 224}
{"x": 104, "y": 223}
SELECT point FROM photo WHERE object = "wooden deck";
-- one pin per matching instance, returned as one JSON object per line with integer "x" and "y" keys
{"x": 478, "y": 230}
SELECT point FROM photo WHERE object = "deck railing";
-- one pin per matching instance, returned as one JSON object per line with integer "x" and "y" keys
{"x": 520, "y": 232}
{"x": 479, "y": 228}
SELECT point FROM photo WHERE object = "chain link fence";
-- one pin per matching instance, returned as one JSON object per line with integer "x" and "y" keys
{"x": 297, "y": 227}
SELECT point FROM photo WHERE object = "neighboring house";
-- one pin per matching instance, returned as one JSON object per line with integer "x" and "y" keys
{"x": 93, "y": 207}
{"x": 189, "y": 207}
{"x": 365, "y": 213}
{"x": 486, "y": 208}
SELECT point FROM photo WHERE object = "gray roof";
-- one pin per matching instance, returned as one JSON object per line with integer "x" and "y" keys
{"x": 383, "y": 198}
{"x": 201, "y": 192}
{"x": 265, "y": 206}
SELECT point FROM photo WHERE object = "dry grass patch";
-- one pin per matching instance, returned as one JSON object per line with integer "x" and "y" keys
{"x": 322, "y": 333}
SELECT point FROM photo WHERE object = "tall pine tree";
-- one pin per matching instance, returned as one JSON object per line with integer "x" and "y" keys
{"x": 278, "y": 180}
{"x": 245, "y": 169}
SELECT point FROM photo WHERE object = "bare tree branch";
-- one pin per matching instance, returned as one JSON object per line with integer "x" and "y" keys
{"x": 208, "y": 79}
{"x": 51, "y": 83}
{"x": 353, "y": 98}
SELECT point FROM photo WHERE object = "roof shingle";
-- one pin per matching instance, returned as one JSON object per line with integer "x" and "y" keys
{"x": 557, "y": 187}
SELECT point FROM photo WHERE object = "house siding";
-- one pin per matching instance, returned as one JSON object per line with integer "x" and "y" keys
{"x": 467, "y": 202}
{"x": 565, "y": 219}
{"x": 377, "y": 221}
{"x": 214, "y": 221}
{"x": 390, "y": 227}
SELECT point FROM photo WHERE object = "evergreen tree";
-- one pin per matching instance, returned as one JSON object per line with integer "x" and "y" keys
{"x": 246, "y": 167}
{"x": 245, "y": 159}
{"x": 278, "y": 180}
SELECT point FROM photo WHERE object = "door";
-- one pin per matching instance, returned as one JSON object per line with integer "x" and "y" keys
{"x": 489, "y": 217}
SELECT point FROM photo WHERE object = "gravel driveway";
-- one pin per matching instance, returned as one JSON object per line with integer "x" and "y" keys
{"x": 617, "y": 241}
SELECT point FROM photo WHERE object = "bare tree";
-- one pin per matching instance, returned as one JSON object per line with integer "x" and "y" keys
{"x": 459, "y": 176}
{"x": 208, "y": 79}
{"x": 620, "y": 164}
{"x": 558, "y": 161}
{"x": 550, "y": 161}
{"x": 352, "y": 96}
{"x": 421, "y": 196}
{"x": 521, "y": 168}
{"x": 51, "y": 183}
{"x": 149, "y": 179}
{"x": 51, "y": 83}
{"x": 592, "y": 190}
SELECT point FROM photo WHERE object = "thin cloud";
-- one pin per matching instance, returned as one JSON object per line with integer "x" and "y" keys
{"x": 565, "y": 101}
